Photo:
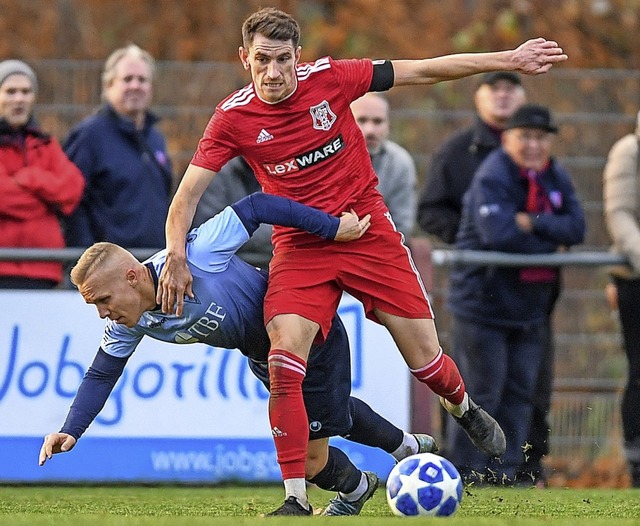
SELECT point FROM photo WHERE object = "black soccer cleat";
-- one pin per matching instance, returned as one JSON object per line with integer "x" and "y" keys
{"x": 291, "y": 507}
{"x": 485, "y": 433}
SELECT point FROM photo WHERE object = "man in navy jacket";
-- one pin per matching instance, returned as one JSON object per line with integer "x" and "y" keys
{"x": 124, "y": 160}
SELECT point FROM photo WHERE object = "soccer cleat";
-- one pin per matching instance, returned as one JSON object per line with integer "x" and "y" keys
{"x": 485, "y": 433}
{"x": 426, "y": 443}
{"x": 340, "y": 507}
{"x": 291, "y": 507}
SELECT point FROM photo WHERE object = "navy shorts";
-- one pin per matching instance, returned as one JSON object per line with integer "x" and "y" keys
{"x": 327, "y": 386}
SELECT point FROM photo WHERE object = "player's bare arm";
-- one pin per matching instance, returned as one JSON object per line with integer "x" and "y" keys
{"x": 175, "y": 279}
{"x": 533, "y": 57}
{"x": 55, "y": 443}
{"x": 351, "y": 227}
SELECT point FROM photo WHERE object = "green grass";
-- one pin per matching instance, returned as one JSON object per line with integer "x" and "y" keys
{"x": 181, "y": 506}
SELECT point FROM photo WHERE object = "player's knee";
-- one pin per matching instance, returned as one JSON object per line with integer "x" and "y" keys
{"x": 291, "y": 333}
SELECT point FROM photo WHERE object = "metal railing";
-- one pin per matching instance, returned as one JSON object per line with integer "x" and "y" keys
{"x": 584, "y": 416}
{"x": 444, "y": 257}
{"x": 63, "y": 255}
{"x": 439, "y": 257}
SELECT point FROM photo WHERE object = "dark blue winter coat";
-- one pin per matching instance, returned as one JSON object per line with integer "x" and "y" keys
{"x": 496, "y": 295}
{"x": 128, "y": 181}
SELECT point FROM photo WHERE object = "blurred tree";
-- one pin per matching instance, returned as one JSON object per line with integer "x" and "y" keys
{"x": 596, "y": 33}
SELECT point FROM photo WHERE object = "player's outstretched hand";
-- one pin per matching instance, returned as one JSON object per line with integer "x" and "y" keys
{"x": 55, "y": 443}
{"x": 351, "y": 227}
{"x": 175, "y": 281}
{"x": 537, "y": 56}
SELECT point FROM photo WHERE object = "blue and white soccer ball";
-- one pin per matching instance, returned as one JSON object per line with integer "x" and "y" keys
{"x": 424, "y": 484}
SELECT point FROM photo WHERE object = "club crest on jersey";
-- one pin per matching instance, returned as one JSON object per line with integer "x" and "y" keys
{"x": 323, "y": 117}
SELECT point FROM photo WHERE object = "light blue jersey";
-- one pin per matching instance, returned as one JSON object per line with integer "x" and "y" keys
{"x": 226, "y": 310}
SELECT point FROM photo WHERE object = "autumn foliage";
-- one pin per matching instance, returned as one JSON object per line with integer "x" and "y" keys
{"x": 597, "y": 33}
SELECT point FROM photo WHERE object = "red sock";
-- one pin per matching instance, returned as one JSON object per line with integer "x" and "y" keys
{"x": 443, "y": 378}
{"x": 287, "y": 414}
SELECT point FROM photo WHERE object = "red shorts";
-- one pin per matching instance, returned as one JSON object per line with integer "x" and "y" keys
{"x": 377, "y": 269}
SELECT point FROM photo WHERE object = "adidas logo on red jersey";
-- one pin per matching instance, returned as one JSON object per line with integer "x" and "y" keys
{"x": 277, "y": 433}
{"x": 264, "y": 136}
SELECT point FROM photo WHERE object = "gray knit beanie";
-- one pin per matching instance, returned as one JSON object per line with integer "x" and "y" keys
{"x": 11, "y": 67}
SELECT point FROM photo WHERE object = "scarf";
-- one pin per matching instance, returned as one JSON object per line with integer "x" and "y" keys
{"x": 537, "y": 203}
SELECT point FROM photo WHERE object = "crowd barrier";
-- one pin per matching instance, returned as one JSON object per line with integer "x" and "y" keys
{"x": 586, "y": 430}
{"x": 439, "y": 257}
{"x": 443, "y": 257}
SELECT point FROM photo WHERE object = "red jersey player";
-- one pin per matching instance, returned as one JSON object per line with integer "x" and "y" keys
{"x": 294, "y": 126}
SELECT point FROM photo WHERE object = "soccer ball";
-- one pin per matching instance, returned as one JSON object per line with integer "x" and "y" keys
{"x": 424, "y": 484}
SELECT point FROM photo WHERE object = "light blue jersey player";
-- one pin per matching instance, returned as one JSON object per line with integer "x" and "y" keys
{"x": 226, "y": 310}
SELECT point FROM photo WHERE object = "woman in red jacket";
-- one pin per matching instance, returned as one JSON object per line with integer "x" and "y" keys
{"x": 38, "y": 183}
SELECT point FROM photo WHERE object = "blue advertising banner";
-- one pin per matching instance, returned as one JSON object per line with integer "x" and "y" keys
{"x": 183, "y": 413}
{"x": 183, "y": 460}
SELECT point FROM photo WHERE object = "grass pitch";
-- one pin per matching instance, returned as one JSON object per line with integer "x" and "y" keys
{"x": 181, "y": 506}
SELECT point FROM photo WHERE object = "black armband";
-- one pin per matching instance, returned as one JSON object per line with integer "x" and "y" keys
{"x": 383, "y": 76}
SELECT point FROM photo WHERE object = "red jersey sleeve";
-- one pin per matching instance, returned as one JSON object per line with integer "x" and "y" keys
{"x": 216, "y": 146}
{"x": 354, "y": 75}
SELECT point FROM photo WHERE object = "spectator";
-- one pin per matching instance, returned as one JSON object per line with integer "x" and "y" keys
{"x": 37, "y": 182}
{"x": 392, "y": 164}
{"x": 622, "y": 218}
{"x": 233, "y": 182}
{"x": 521, "y": 201}
{"x": 124, "y": 160}
{"x": 454, "y": 163}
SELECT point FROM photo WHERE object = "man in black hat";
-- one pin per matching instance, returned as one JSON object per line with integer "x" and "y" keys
{"x": 452, "y": 166}
{"x": 520, "y": 201}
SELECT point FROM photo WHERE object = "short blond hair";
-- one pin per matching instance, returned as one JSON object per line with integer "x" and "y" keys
{"x": 97, "y": 257}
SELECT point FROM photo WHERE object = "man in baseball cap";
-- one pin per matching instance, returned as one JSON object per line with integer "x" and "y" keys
{"x": 495, "y": 76}
{"x": 497, "y": 96}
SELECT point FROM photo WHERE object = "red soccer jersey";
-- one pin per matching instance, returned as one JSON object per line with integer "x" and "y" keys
{"x": 307, "y": 147}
